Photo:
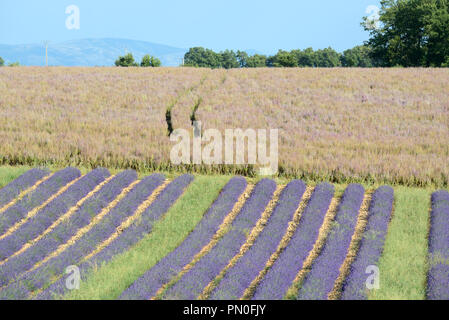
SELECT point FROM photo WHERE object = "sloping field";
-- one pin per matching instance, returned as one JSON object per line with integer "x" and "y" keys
{"x": 215, "y": 237}
{"x": 388, "y": 126}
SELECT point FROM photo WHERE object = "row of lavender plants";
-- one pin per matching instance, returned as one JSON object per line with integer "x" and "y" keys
{"x": 51, "y": 212}
{"x": 37, "y": 197}
{"x": 320, "y": 281}
{"x": 239, "y": 277}
{"x": 146, "y": 286}
{"x": 371, "y": 244}
{"x": 41, "y": 277}
{"x": 67, "y": 229}
{"x": 192, "y": 283}
{"x": 129, "y": 237}
{"x": 280, "y": 276}
{"x": 438, "y": 276}
{"x": 25, "y": 181}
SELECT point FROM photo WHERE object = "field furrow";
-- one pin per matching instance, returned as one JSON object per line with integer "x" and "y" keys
{"x": 51, "y": 212}
{"x": 128, "y": 237}
{"x": 68, "y": 229}
{"x": 371, "y": 245}
{"x": 37, "y": 197}
{"x": 284, "y": 270}
{"x": 147, "y": 285}
{"x": 438, "y": 276}
{"x": 238, "y": 278}
{"x": 325, "y": 270}
{"x": 192, "y": 284}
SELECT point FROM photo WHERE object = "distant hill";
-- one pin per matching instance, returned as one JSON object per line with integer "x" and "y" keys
{"x": 89, "y": 52}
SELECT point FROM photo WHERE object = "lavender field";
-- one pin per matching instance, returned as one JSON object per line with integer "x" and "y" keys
{"x": 203, "y": 237}
{"x": 384, "y": 126}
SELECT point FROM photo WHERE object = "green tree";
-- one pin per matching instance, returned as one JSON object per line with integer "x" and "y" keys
{"x": 327, "y": 58}
{"x": 202, "y": 58}
{"x": 411, "y": 33}
{"x": 256, "y": 61}
{"x": 242, "y": 58}
{"x": 2, "y": 62}
{"x": 283, "y": 59}
{"x": 358, "y": 56}
{"x": 126, "y": 61}
{"x": 305, "y": 58}
{"x": 150, "y": 61}
{"x": 228, "y": 60}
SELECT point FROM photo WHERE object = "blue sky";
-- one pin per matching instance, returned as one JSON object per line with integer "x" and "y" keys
{"x": 262, "y": 25}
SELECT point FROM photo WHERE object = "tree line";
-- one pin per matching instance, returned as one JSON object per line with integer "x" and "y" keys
{"x": 325, "y": 58}
{"x": 409, "y": 33}
{"x": 128, "y": 61}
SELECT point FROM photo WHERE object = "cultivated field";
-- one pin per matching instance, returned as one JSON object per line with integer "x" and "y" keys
{"x": 336, "y": 125}
{"x": 205, "y": 237}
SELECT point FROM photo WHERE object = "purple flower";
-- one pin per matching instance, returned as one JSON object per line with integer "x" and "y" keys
{"x": 67, "y": 229}
{"x": 130, "y": 236}
{"x": 191, "y": 285}
{"x": 239, "y": 277}
{"x": 50, "y": 213}
{"x": 438, "y": 278}
{"x": 319, "y": 282}
{"x": 278, "y": 279}
{"x": 371, "y": 244}
{"x": 35, "y": 198}
{"x": 25, "y": 181}
{"x": 146, "y": 286}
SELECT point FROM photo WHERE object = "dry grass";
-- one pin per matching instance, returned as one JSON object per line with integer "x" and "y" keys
{"x": 338, "y": 125}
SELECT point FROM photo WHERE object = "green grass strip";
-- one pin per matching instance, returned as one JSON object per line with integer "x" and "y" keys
{"x": 8, "y": 174}
{"x": 403, "y": 265}
{"x": 112, "y": 278}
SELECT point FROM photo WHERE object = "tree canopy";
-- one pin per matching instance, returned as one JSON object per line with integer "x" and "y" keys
{"x": 2, "y": 62}
{"x": 126, "y": 61}
{"x": 411, "y": 33}
{"x": 150, "y": 61}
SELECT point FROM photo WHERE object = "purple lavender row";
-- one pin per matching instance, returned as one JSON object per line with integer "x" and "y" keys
{"x": 130, "y": 236}
{"x": 240, "y": 276}
{"x": 191, "y": 284}
{"x": 51, "y": 212}
{"x": 35, "y": 198}
{"x": 320, "y": 281}
{"x": 278, "y": 279}
{"x": 16, "y": 187}
{"x": 371, "y": 244}
{"x": 438, "y": 277}
{"x": 167, "y": 268}
{"x": 67, "y": 229}
{"x": 41, "y": 277}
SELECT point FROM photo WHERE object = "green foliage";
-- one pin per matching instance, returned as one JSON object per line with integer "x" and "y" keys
{"x": 327, "y": 58}
{"x": 202, "y": 58}
{"x": 358, "y": 56}
{"x": 283, "y": 59}
{"x": 256, "y": 61}
{"x": 2, "y": 62}
{"x": 14, "y": 64}
{"x": 242, "y": 58}
{"x": 228, "y": 60}
{"x": 412, "y": 33}
{"x": 150, "y": 61}
{"x": 126, "y": 61}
